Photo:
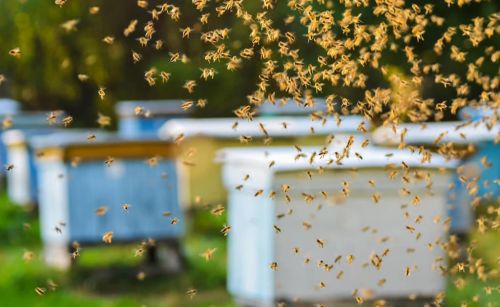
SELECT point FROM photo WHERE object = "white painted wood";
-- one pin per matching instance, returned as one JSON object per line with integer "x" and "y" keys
{"x": 222, "y": 127}
{"x": 254, "y": 242}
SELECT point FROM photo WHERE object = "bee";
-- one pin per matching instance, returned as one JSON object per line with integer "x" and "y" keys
{"x": 109, "y": 40}
{"x": 66, "y": 121}
{"x": 189, "y": 86}
{"x": 101, "y": 211}
{"x": 109, "y": 161}
{"x": 107, "y": 237}
{"x": 83, "y": 77}
{"x": 407, "y": 271}
{"x": 274, "y": 266}
{"x": 16, "y": 52}
{"x": 217, "y": 211}
{"x": 187, "y": 105}
{"x": 136, "y": 57}
{"x": 258, "y": 193}
{"x": 208, "y": 254}
{"x": 70, "y": 25}
{"x": 141, "y": 276}
{"x": 28, "y": 255}
{"x": 225, "y": 230}
{"x": 101, "y": 92}
{"x": 9, "y": 167}
{"x": 174, "y": 221}
{"x": 191, "y": 293}
{"x": 93, "y": 10}
{"x": 7, "y": 122}
{"x": 320, "y": 242}
{"x": 39, "y": 290}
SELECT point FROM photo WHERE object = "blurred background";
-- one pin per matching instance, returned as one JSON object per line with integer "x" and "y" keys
{"x": 58, "y": 44}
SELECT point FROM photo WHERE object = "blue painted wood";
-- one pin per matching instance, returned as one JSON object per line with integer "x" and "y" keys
{"x": 150, "y": 191}
{"x": 72, "y": 194}
{"x": 131, "y": 125}
{"x": 488, "y": 189}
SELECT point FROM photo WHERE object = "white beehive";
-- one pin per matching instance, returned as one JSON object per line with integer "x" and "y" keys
{"x": 266, "y": 230}
{"x": 212, "y": 134}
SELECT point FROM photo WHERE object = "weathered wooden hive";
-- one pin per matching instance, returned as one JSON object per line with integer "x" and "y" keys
{"x": 135, "y": 180}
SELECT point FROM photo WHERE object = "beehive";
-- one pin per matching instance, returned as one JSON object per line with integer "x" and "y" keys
{"x": 264, "y": 231}
{"x": 203, "y": 137}
{"x": 12, "y": 118}
{"x": 74, "y": 180}
{"x": 480, "y": 135}
{"x": 21, "y": 180}
{"x": 153, "y": 114}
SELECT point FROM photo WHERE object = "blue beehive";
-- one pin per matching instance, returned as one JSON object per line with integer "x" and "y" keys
{"x": 489, "y": 185}
{"x": 478, "y": 136}
{"x": 74, "y": 182}
{"x": 153, "y": 114}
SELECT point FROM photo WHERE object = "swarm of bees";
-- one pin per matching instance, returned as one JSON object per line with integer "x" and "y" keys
{"x": 346, "y": 46}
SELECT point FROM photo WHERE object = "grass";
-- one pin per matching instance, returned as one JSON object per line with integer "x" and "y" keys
{"x": 107, "y": 275}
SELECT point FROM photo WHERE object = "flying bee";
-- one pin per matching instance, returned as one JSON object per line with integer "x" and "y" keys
{"x": 109, "y": 161}
{"x": 101, "y": 92}
{"x": 7, "y": 123}
{"x": 191, "y": 293}
{"x": 126, "y": 207}
{"x": 320, "y": 242}
{"x": 225, "y": 230}
{"x": 217, "y": 211}
{"x": 208, "y": 254}
{"x": 274, "y": 266}
{"x": 16, "y": 52}
{"x": 107, "y": 237}
{"x": 39, "y": 290}
{"x": 101, "y": 211}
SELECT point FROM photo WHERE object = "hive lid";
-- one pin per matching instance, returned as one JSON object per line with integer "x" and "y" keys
{"x": 427, "y": 134}
{"x": 18, "y": 136}
{"x": 34, "y": 119}
{"x": 76, "y": 144}
{"x": 478, "y": 113}
{"x": 290, "y": 107}
{"x": 223, "y": 127}
{"x": 8, "y": 106}
{"x": 154, "y": 107}
{"x": 285, "y": 157}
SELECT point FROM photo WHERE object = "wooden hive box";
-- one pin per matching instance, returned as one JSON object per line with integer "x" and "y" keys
{"x": 265, "y": 231}
{"x": 74, "y": 182}
{"x": 155, "y": 114}
{"x": 22, "y": 179}
{"x": 205, "y": 136}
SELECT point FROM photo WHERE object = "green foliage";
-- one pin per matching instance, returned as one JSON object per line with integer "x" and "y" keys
{"x": 45, "y": 76}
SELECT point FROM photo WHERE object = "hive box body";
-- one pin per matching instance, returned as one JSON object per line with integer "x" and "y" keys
{"x": 72, "y": 194}
{"x": 254, "y": 243}
{"x": 71, "y": 191}
{"x": 131, "y": 125}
